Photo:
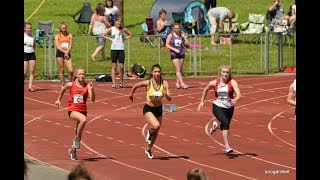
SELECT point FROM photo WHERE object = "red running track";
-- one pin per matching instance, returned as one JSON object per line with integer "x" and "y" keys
{"x": 262, "y": 132}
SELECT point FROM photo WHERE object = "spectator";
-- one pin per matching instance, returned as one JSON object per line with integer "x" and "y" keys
{"x": 118, "y": 36}
{"x": 157, "y": 88}
{"x": 80, "y": 172}
{"x": 197, "y": 174}
{"x": 98, "y": 24}
{"x": 293, "y": 16}
{"x": 208, "y": 3}
{"x": 276, "y": 12}
{"x": 80, "y": 92}
{"x": 29, "y": 54}
{"x": 176, "y": 43}
{"x": 223, "y": 101}
{"x": 112, "y": 11}
{"x": 163, "y": 25}
{"x": 63, "y": 42}
{"x": 216, "y": 17}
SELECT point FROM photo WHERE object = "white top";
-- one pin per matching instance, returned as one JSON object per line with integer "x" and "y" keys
{"x": 117, "y": 39}
{"x": 28, "y": 43}
{"x": 98, "y": 27}
{"x": 294, "y": 87}
{"x": 112, "y": 11}
{"x": 223, "y": 99}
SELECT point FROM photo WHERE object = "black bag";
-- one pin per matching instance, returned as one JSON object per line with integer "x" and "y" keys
{"x": 104, "y": 78}
{"x": 139, "y": 70}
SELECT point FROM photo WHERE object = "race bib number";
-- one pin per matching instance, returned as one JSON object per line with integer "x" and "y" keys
{"x": 77, "y": 98}
{"x": 156, "y": 95}
{"x": 222, "y": 98}
{"x": 65, "y": 45}
{"x": 177, "y": 42}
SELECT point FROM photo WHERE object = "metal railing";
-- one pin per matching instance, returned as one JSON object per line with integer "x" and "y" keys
{"x": 262, "y": 53}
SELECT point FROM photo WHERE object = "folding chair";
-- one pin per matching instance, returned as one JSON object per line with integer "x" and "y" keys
{"x": 45, "y": 30}
{"x": 254, "y": 28}
{"x": 147, "y": 27}
{"x": 84, "y": 18}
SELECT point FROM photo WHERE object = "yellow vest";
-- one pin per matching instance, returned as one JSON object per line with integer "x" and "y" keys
{"x": 153, "y": 94}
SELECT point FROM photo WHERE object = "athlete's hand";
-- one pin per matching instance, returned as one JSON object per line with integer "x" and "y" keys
{"x": 131, "y": 97}
{"x": 90, "y": 85}
{"x": 58, "y": 103}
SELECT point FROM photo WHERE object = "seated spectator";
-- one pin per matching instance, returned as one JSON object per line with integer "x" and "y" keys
{"x": 163, "y": 25}
{"x": 111, "y": 12}
{"x": 197, "y": 174}
{"x": 80, "y": 172}
{"x": 276, "y": 12}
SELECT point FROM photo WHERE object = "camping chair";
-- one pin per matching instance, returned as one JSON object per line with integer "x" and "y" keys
{"x": 84, "y": 18}
{"x": 253, "y": 28}
{"x": 45, "y": 30}
{"x": 147, "y": 27}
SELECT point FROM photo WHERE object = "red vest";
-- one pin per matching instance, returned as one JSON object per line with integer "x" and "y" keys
{"x": 82, "y": 92}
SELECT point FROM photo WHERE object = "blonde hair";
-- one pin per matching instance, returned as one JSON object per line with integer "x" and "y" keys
{"x": 225, "y": 66}
{"x": 197, "y": 174}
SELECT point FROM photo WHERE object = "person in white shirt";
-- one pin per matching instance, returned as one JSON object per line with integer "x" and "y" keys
{"x": 29, "y": 55}
{"x": 111, "y": 12}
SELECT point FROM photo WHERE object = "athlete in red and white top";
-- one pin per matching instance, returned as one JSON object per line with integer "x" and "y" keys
{"x": 291, "y": 99}
{"x": 80, "y": 92}
{"x": 223, "y": 101}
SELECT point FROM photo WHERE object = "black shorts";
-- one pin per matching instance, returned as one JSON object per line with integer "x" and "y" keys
{"x": 84, "y": 113}
{"x": 61, "y": 54}
{"x": 29, "y": 56}
{"x": 156, "y": 111}
{"x": 177, "y": 56}
{"x": 117, "y": 55}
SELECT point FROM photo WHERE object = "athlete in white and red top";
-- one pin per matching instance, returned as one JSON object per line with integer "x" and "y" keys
{"x": 80, "y": 92}
{"x": 223, "y": 101}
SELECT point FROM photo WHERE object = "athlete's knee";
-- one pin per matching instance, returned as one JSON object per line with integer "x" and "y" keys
{"x": 224, "y": 126}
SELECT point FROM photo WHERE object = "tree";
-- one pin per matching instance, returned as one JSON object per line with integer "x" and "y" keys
{"x": 119, "y": 4}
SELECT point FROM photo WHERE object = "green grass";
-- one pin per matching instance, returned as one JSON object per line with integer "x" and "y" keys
{"x": 245, "y": 57}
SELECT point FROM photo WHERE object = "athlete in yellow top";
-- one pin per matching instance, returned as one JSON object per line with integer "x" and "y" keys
{"x": 157, "y": 88}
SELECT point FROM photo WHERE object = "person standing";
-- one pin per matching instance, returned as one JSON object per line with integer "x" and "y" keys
{"x": 157, "y": 88}
{"x": 176, "y": 43}
{"x": 216, "y": 17}
{"x": 111, "y": 12}
{"x": 223, "y": 101}
{"x": 208, "y": 3}
{"x": 118, "y": 36}
{"x": 63, "y": 43}
{"x": 80, "y": 92}
{"x": 99, "y": 24}
{"x": 29, "y": 54}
